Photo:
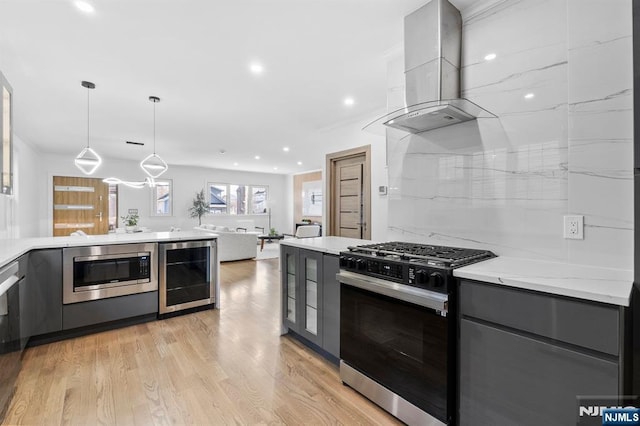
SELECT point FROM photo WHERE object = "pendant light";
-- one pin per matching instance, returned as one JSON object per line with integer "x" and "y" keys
{"x": 153, "y": 165}
{"x": 88, "y": 160}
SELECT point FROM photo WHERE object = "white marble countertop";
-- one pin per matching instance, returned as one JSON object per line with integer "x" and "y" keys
{"x": 331, "y": 245}
{"x": 585, "y": 282}
{"x": 605, "y": 285}
{"x": 12, "y": 249}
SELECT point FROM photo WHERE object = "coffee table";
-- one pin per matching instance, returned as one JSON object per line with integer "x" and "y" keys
{"x": 269, "y": 239}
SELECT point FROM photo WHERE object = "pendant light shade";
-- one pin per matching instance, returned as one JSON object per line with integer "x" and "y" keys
{"x": 153, "y": 165}
{"x": 88, "y": 160}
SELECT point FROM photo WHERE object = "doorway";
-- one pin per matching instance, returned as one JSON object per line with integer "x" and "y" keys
{"x": 349, "y": 189}
{"x": 80, "y": 204}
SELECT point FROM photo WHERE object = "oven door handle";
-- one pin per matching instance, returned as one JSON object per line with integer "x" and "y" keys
{"x": 415, "y": 295}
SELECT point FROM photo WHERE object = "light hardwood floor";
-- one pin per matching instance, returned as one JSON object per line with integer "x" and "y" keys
{"x": 213, "y": 367}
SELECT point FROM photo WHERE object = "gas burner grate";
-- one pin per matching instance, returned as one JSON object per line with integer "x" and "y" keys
{"x": 442, "y": 255}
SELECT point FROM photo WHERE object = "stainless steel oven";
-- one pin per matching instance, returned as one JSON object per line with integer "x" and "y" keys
{"x": 394, "y": 346}
{"x": 99, "y": 272}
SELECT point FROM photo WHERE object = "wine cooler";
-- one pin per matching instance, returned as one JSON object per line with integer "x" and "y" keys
{"x": 187, "y": 275}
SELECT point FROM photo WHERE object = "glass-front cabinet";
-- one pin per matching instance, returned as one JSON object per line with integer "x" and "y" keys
{"x": 302, "y": 294}
{"x": 6, "y": 132}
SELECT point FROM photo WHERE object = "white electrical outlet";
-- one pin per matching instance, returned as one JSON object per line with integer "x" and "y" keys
{"x": 574, "y": 227}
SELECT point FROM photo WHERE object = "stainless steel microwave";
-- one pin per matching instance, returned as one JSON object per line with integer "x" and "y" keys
{"x": 98, "y": 272}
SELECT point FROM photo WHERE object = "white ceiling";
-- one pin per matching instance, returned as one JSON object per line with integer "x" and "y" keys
{"x": 194, "y": 55}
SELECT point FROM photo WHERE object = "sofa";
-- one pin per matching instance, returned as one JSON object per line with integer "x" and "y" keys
{"x": 232, "y": 244}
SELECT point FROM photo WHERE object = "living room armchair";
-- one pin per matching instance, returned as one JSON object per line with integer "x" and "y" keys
{"x": 306, "y": 231}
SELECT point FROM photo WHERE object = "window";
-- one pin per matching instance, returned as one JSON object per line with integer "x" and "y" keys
{"x": 258, "y": 199}
{"x": 225, "y": 198}
{"x": 162, "y": 198}
{"x": 218, "y": 198}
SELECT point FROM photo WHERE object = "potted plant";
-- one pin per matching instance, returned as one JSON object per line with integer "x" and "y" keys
{"x": 130, "y": 222}
{"x": 273, "y": 232}
{"x": 199, "y": 207}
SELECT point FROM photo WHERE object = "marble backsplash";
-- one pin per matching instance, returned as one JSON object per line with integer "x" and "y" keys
{"x": 561, "y": 143}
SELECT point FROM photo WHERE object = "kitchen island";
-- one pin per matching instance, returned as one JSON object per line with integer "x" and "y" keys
{"x": 12, "y": 249}
{"x": 60, "y": 287}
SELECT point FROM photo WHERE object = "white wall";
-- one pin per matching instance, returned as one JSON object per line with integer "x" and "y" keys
{"x": 20, "y": 212}
{"x": 186, "y": 182}
{"x": 505, "y": 183}
{"x": 351, "y": 135}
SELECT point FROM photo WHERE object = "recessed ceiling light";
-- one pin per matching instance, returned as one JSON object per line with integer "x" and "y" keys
{"x": 257, "y": 157}
{"x": 84, "y": 6}
{"x": 529, "y": 96}
{"x": 223, "y": 151}
{"x": 275, "y": 168}
{"x": 299, "y": 163}
{"x": 256, "y": 68}
{"x": 490, "y": 57}
{"x": 285, "y": 149}
{"x": 235, "y": 164}
{"x": 349, "y": 101}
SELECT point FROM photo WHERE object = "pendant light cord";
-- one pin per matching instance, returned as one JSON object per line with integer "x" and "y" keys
{"x": 88, "y": 116}
{"x": 154, "y": 127}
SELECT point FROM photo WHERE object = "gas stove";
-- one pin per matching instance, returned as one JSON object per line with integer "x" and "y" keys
{"x": 418, "y": 265}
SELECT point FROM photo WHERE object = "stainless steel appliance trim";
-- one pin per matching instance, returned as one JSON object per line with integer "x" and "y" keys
{"x": 386, "y": 399}
{"x": 121, "y": 288}
{"x": 8, "y": 277}
{"x": 110, "y": 256}
{"x": 417, "y": 296}
{"x": 214, "y": 289}
{"x": 108, "y": 285}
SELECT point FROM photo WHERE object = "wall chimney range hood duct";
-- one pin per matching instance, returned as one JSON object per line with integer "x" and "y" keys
{"x": 432, "y": 42}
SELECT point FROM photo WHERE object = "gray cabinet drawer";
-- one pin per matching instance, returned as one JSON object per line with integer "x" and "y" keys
{"x": 508, "y": 379}
{"x": 104, "y": 310}
{"x": 590, "y": 325}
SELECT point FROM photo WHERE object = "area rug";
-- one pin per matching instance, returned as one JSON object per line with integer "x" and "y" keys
{"x": 270, "y": 251}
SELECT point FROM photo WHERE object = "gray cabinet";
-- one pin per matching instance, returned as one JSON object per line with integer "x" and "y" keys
{"x": 302, "y": 293}
{"x": 40, "y": 274}
{"x": 331, "y": 305}
{"x": 44, "y": 280}
{"x": 102, "y": 311}
{"x": 524, "y": 357}
{"x": 311, "y": 296}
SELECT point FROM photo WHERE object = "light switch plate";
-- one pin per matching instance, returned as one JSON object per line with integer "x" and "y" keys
{"x": 574, "y": 227}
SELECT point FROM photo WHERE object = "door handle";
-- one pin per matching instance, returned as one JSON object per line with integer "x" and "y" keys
{"x": 100, "y": 208}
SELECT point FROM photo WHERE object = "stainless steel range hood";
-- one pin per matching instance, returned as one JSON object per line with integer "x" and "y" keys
{"x": 432, "y": 42}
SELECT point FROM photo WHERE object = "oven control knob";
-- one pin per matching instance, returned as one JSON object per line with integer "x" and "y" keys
{"x": 437, "y": 280}
{"x": 343, "y": 261}
{"x": 422, "y": 277}
{"x": 361, "y": 264}
{"x": 351, "y": 262}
